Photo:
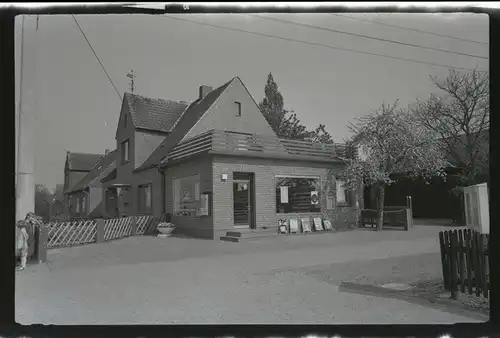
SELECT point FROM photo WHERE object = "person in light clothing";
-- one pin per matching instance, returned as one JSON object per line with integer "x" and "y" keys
{"x": 22, "y": 244}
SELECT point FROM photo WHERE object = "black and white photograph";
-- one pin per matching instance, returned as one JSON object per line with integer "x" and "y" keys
{"x": 252, "y": 168}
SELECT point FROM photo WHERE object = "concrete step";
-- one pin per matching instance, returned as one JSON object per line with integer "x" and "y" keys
{"x": 244, "y": 239}
{"x": 250, "y": 232}
{"x": 230, "y": 239}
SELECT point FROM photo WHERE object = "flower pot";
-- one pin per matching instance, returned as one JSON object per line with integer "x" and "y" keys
{"x": 165, "y": 228}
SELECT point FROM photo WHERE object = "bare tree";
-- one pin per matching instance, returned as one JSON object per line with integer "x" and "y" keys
{"x": 392, "y": 142}
{"x": 460, "y": 116}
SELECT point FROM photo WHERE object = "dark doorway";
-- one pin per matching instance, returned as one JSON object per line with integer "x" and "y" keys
{"x": 244, "y": 200}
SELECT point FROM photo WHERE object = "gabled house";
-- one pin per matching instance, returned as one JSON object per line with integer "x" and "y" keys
{"x": 220, "y": 166}
{"x": 85, "y": 197}
{"x": 143, "y": 125}
{"x": 57, "y": 212}
{"x": 76, "y": 166}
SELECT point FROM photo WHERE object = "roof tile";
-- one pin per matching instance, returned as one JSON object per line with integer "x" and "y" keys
{"x": 100, "y": 169}
{"x": 153, "y": 114}
{"x": 82, "y": 161}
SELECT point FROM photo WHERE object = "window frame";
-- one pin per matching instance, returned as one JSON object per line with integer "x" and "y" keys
{"x": 295, "y": 213}
{"x": 127, "y": 148}
{"x": 77, "y": 205}
{"x": 238, "y": 105}
{"x": 176, "y": 209}
{"x": 145, "y": 210}
{"x": 84, "y": 201}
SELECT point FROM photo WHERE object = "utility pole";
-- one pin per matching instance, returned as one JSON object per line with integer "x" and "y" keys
{"x": 131, "y": 76}
{"x": 25, "y": 182}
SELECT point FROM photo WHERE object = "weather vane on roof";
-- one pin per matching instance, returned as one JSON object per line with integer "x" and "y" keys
{"x": 131, "y": 76}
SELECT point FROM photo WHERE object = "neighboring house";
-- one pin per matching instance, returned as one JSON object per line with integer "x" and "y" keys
{"x": 57, "y": 212}
{"x": 77, "y": 165}
{"x": 85, "y": 197}
{"x": 219, "y": 166}
{"x": 143, "y": 125}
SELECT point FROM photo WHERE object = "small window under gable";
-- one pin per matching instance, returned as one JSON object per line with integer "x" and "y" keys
{"x": 237, "y": 108}
{"x": 125, "y": 121}
{"x": 125, "y": 151}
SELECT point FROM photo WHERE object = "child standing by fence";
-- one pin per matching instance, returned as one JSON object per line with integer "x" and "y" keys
{"x": 22, "y": 244}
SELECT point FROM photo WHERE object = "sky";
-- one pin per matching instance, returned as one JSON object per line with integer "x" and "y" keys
{"x": 77, "y": 108}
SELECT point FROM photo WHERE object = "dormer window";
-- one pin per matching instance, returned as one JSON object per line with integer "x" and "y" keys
{"x": 237, "y": 107}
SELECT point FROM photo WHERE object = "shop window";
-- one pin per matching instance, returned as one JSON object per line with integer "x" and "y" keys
{"x": 297, "y": 195}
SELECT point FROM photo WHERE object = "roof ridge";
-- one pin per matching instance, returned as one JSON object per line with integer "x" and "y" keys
{"x": 214, "y": 95}
{"x": 91, "y": 172}
{"x": 101, "y": 159}
{"x": 80, "y": 153}
{"x": 153, "y": 98}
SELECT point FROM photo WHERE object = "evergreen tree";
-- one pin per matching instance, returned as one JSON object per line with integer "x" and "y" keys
{"x": 284, "y": 122}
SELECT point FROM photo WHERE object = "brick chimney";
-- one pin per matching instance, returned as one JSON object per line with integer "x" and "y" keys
{"x": 204, "y": 90}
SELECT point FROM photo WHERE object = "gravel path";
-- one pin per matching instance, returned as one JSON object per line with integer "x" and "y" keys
{"x": 403, "y": 269}
{"x": 250, "y": 283}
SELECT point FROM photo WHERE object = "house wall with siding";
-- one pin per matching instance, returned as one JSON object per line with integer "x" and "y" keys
{"x": 76, "y": 176}
{"x": 141, "y": 145}
{"x": 145, "y": 142}
{"x": 265, "y": 171}
{"x": 94, "y": 199}
{"x": 72, "y": 199}
{"x": 153, "y": 177}
{"x": 124, "y": 169}
{"x": 222, "y": 115}
{"x": 196, "y": 226}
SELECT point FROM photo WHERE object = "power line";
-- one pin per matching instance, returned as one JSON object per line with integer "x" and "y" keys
{"x": 316, "y": 44}
{"x": 411, "y": 29}
{"x": 367, "y": 36}
{"x": 97, "y": 57}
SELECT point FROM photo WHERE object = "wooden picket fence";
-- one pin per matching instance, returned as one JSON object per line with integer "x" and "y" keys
{"x": 65, "y": 234}
{"x": 465, "y": 261}
{"x": 62, "y": 234}
{"x": 147, "y": 224}
{"x": 117, "y": 228}
{"x": 394, "y": 217}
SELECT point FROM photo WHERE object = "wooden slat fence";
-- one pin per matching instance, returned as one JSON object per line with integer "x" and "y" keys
{"x": 64, "y": 234}
{"x": 465, "y": 262}
{"x": 117, "y": 228}
{"x": 394, "y": 216}
{"x": 148, "y": 224}
{"x": 243, "y": 143}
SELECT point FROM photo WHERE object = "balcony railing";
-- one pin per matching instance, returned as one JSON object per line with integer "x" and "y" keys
{"x": 231, "y": 143}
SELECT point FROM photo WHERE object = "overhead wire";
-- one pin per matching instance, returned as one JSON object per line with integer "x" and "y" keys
{"x": 97, "y": 57}
{"x": 365, "y": 36}
{"x": 315, "y": 43}
{"x": 409, "y": 29}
